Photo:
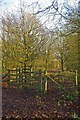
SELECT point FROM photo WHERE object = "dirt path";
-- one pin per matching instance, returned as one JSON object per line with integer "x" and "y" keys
{"x": 30, "y": 104}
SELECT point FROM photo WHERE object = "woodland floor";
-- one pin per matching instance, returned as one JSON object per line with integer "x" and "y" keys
{"x": 30, "y": 104}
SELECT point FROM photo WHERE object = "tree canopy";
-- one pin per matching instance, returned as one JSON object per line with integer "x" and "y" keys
{"x": 28, "y": 40}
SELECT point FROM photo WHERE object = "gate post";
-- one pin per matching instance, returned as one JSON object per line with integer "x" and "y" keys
{"x": 25, "y": 72}
{"x": 16, "y": 75}
{"x": 45, "y": 81}
{"x": 40, "y": 80}
{"x": 76, "y": 81}
{"x": 8, "y": 76}
{"x": 19, "y": 76}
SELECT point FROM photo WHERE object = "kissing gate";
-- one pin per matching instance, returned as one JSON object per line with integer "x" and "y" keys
{"x": 28, "y": 78}
{"x": 34, "y": 79}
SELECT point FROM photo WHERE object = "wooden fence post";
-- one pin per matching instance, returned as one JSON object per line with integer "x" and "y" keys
{"x": 22, "y": 76}
{"x": 30, "y": 71}
{"x": 45, "y": 81}
{"x": 8, "y": 76}
{"x": 19, "y": 76}
{"x": 25, "y": 73}
{"x": 16, "y": 75}
{"x": 76, "y": 81}
{"x": 40, "y": 80}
